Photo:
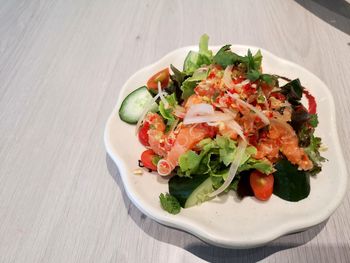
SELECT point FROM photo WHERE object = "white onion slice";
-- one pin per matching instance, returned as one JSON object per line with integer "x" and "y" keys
{"x": 251, "y": 107}
{"x": 200, "y": 109}
{"x": 160, "y": 92}
{"x": 217, "y": 116}
{"x": 227, "y": 78}
{"x": 242, "y": 145}
{"x": 233, "y": 125}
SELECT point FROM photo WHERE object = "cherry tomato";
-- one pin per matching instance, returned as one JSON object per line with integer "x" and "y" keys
{"x": 147, "y": 158}
{"x": 162, "y": 76}
{"x": 143, "y": 134}
{"x": 262, "y": 185}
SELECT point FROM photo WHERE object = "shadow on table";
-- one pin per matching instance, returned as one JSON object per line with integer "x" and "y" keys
{"x": 334, "y": 12}
{"x": 201, "y": 249}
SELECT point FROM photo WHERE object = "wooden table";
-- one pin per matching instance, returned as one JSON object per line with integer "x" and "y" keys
{"x": 62, "y": 64}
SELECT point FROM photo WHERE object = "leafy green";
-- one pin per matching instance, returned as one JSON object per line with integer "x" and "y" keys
{"x": 190, "y": 83}
{"x": 195, "y": 60}
{"x": 225, "y": 57}
{"x": 260, "y": 165}
{"x": 253, "y": 75}
{"x": 290, "y": 183}
{"x": 169, "y": 203}
{"x": 313, "y": 120}
{"x": 177, "y": 78}
{"x": 215, "y": 158}
{"x": 293, "y": 91}
{"x": 314, "y": 154}
{"x": 189, "y": 162}
{"x": 166, "y": 112}
{"x": 178, "y": 75}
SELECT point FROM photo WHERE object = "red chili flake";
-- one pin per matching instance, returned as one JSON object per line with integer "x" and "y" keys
{"x": 238, "y": 80}
{"x": 278, "y": 96}
{"x": 211, "y": 75}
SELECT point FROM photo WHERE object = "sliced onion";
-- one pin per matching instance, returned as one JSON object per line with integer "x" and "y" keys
{"x": 251, "y": 107}
{"x": 217, "y": 116}
{"x": 160, "y": 92}
{"x": 228, "y": 111}
{"x": 227, "y": 78}
{"x": 233, "y": 125}
{"x": 146, "y": 110}
{"x": 200, "y": 109}
{"x": 233, "y": 169}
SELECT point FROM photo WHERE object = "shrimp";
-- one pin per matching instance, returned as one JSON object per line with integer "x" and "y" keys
{"x": 156, "y": 136}
{"x": 186, "y": 139}
{"x": 281, "y": 136}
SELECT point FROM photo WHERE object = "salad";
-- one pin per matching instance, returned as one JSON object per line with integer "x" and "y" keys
{"x": 221, "y": 124}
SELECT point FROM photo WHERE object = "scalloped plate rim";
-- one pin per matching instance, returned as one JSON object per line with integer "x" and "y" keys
{"x": 172, "y": 221}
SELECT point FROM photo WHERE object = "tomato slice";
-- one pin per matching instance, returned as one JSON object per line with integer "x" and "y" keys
{"x": 162, "y": 76}
{"x": 143, "y": 134}
{"x": 147, "y": 159}
{"x": 262, "y": 185}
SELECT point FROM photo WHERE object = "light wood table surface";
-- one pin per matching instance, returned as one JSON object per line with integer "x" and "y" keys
{"x": 62, "y": 64}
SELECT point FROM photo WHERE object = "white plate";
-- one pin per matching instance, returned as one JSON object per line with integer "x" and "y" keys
{"x": 228, "y": 222}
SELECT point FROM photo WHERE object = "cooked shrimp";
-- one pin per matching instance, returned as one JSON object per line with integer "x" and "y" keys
{"x": 282, "y": 136}
{"x": 186, "y": 139}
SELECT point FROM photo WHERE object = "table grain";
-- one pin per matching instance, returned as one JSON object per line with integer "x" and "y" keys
{"x": 62, "y": 64}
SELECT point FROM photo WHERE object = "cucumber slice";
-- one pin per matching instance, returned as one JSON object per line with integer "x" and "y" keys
{"x": 134, "y": 104}
{"x": 200, "y": 194}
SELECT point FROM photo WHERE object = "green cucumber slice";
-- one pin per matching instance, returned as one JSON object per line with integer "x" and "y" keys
{"x": 200, "y": 194}
{"x": 134, "y": 104}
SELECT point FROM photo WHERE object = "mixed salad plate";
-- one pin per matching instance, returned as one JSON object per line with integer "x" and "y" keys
{"x": 230, "y": 143}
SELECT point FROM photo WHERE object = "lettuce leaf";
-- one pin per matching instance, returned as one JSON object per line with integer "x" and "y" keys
{"x": 314, "y": 154}
{"x": 190, "y": 83}
{"x": 215, "y": 158}
{"x": 195, "y": 60}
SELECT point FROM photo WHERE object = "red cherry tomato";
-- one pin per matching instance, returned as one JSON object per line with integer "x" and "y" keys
{"x": 262, "y": 185}
{"x": 143, "y": 134}
{"x": 162, "y": 76}
{"x": 147, "y": 158}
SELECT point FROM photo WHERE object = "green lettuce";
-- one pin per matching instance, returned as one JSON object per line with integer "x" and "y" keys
{"x": 313, "y": 151}
{"x": 215, "y": 158}
{"x": 195, "y": 60}
{"x": 190, "y": 83}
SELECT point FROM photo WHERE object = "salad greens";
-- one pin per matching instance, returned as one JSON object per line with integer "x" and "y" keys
{"x": 237, "y": 103}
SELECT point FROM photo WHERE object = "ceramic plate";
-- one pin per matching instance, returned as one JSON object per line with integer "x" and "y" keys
{"x": 227, "y": 221}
